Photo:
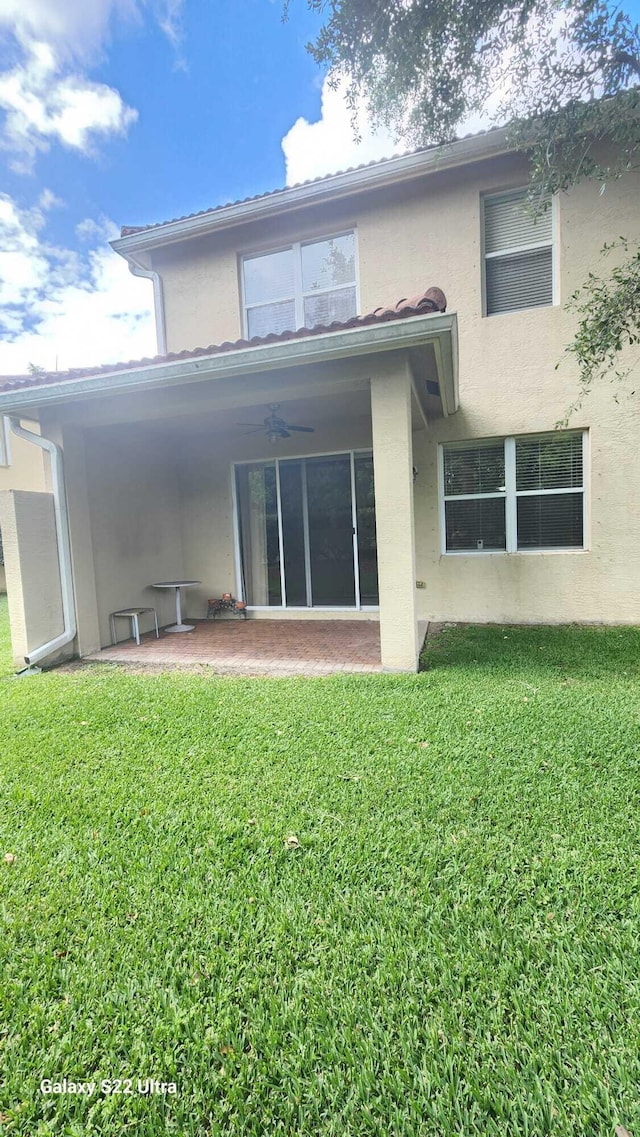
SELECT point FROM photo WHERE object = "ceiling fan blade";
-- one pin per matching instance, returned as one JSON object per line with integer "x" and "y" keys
{"x": 256, "y": 430}
{"x": 302, "y": 429}
{"x": 258, "y": 426}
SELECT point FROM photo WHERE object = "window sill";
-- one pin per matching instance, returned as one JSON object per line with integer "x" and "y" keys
{"x": 504, "y": 553}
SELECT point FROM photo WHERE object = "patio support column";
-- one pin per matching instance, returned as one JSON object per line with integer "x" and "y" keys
{"x": 393, "y": 473}
{"x": 84, "y": 580}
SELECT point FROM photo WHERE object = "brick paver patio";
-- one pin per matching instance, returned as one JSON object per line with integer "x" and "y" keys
{"x": 259, "y": 647}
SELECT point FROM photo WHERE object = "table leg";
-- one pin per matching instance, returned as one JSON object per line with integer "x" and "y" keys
{"x": 179, "y": 626}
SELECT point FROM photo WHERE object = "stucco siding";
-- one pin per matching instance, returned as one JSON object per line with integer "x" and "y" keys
{"x": 26, "y": 471}
{"x": 31, "y": 562}
{"x": 135, "y": 522}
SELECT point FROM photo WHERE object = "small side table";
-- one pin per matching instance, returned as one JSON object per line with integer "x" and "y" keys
{"x": 178, "y": 585}
{"x": 133, "y": 615}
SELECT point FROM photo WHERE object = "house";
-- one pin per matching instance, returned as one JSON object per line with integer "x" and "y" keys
{"x": 405, "y": 319}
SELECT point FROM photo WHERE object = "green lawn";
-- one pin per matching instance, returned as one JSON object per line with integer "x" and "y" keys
{"x": 451, "y": 950}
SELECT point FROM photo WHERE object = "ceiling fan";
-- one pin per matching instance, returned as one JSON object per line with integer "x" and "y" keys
{"x": 275, "y": 427}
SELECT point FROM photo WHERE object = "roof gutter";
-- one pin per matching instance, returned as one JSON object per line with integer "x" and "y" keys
{"x": 158, "y": 301}
{"x": 392, "y": 335}
{"x": 68, "y": 633}
{"x": 389, "y": 172}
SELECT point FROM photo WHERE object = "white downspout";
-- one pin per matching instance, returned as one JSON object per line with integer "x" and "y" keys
{"x": 64, "y": 544}
{"x": 158, "y": 302}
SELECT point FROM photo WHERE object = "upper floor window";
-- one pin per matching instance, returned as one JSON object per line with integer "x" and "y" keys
{"x": 518, "y": 253}
{"x": 514, "y": 494}
{"x": 308, "y": 283}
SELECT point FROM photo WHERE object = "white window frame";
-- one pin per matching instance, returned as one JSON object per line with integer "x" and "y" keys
{"x": 510, "y": 496}
{"x": 505, "y": 195}
{"x": 5, "y": 445}
{"x": 299, "y": 296}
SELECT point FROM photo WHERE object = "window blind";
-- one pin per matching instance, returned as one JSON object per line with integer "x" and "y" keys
{"x": 516, "y": 494}
{"x": 474, "y": 470}
{"x": 476, "y": 524}
{"x": 268, "y": 277}
{"x": 509, "y": 224}
{"x": 524, "y": 280}
{"x": 271, "y": 318}
{"x": 518, "y": 249}
{"x": 327, "y": 307}
{"x": 552, "y": 521}
{"x": 553, "y": 462}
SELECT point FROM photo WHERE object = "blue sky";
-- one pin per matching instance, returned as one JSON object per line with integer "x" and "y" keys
{"x": 130, "y": 111}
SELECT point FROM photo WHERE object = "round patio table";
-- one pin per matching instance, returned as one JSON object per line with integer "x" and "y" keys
{"x": 178, "y": 585}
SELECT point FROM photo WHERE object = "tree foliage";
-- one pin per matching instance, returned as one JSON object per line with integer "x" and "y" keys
{"x": 561, "y": 72}
{"x": 609, "y": 320}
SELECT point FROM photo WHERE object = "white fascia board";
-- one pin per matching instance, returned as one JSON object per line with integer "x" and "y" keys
{"x": 385, "y": 173}
{"x": 396, "y": 335}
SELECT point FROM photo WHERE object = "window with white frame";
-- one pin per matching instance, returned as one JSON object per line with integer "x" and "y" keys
{"x": 307, "y": 283}
{"x": 518, "y": 253}
{"x": 514, "y": 495}
{"x": 5, "y": 451}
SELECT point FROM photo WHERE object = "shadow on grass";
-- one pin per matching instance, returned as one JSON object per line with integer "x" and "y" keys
{"x": 572, "y": 650}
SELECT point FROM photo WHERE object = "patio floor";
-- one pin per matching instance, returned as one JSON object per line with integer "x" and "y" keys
{"x": 259, "y": 647}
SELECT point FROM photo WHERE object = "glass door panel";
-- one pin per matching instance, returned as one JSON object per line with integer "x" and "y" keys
{"x": 366, "y": 522}
{"x": 307, "y": 508}
{"x": 330, "y": 521}
{"x": 259, "y": 539}
{"x": 293, "y": 537}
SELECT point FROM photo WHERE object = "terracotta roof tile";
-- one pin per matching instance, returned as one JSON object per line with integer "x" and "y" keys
{"x": 433, "y": 300}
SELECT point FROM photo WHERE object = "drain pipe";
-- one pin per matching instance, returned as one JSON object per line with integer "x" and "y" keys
{"x": 64, "y": 545}
{"x": 158, "y": 302}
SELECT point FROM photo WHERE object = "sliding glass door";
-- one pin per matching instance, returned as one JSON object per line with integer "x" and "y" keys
{"x": 306, "y": 532}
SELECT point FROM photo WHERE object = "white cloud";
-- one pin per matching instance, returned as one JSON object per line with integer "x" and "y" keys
{"x": 78, "y": 28}
{"x": 312, "y": 149}
{"x": 42, "y": 105}
{"x": 61, "y": 309}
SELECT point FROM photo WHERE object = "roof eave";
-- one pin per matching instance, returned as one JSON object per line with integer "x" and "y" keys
{"x": 393, "y": 335}
{"x": 393, "y": 170}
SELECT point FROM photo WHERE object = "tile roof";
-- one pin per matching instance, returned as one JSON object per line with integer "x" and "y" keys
{"x": 130, "y": 230}
{"x": 433, "y": 300}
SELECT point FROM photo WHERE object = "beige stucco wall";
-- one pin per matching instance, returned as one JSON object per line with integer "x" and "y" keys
{"x": 408, "y": 238}
{"x": 31, "y": 555}
{"x": 26, "y": 472}
{"x": 135, "y": 522}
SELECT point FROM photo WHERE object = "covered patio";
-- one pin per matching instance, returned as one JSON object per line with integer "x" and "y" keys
{"x": 259, "y": 647}
{"x": 174, "y": 471}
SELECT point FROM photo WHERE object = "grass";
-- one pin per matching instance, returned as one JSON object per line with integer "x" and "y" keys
{"x": 451, "y": 950}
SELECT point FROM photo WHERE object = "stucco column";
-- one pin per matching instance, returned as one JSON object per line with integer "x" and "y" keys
{"x": 84, "y": 579}
{"x": 393, "y": 473}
